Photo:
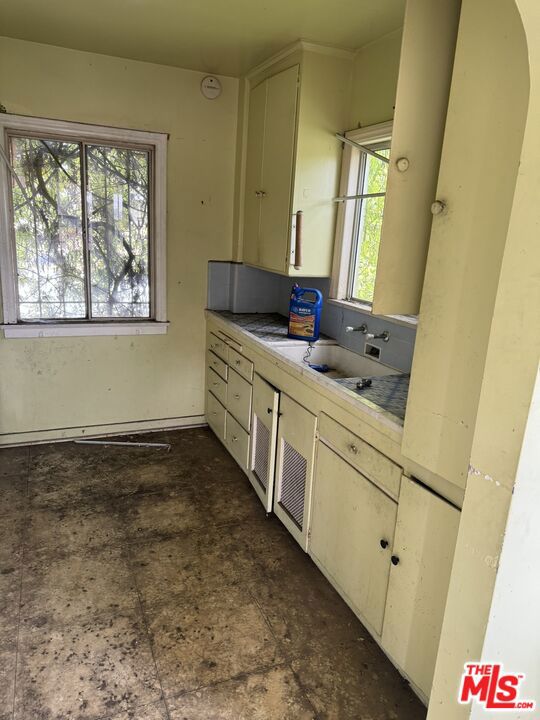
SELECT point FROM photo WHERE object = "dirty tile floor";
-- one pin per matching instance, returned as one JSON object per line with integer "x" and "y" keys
{"x": 137, "y": 584}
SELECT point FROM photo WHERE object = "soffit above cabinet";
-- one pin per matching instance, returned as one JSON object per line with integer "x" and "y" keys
{"x": 217, "y": 37}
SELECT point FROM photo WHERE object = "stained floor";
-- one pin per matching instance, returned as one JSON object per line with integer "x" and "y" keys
{"x": 137, "y": 584}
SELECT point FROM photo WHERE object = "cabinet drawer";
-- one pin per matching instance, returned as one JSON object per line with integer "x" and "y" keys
{"x": 371, "y": 463}
{"x": 239, "y": 398}
{"x": 242, "y": 365}
{"x": 215, "y": 415}
{"x": 237, "y": 441}
{"x": 216, "y": 385}
{"x": 217, "y": 364}
{"x": 218, "y": 346}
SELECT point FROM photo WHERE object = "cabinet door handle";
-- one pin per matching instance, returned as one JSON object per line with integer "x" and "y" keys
{"x": 384, "y": 544}
{"x": 395, "y": 560}
{"x": 269, "y": 411}
{"x": 353, "y": 449}
{"x": 298, "y": 241}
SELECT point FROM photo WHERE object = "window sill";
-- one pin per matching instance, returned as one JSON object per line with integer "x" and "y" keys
{"x": 43, "y": 330}
{"x": 406, "y": 320}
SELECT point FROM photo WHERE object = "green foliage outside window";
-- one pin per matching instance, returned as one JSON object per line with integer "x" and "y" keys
{"x": 372, "y": 180}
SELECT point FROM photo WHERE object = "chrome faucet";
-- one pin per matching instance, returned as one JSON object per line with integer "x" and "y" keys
{"x": 361, "y": 328}
{"x": 384, "y": 336}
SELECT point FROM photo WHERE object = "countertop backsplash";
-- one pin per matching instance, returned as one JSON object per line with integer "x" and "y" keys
{"x": 239, "y": 288}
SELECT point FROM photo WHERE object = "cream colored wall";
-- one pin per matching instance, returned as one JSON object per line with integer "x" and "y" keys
{"x": 375, "y": 77}
{"x": 68, "y": 383}
{"x": 479, "y": 167}
{"x": 505, "y": 392}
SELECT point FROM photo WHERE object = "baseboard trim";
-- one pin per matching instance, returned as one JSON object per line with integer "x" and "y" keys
{"x": 36, "y": 437}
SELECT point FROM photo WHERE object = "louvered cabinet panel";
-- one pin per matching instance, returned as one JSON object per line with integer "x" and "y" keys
{"x": 262, "y": 452}
{"x": 294, "y": 467}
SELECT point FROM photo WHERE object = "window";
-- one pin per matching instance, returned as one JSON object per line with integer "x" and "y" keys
{"x": 360, "y": 216}
{"x": 83, "y": 225}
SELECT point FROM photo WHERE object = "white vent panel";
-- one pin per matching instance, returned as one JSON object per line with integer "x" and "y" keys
{"x": 293, "y": 483}
{"x": 261, "y": 452}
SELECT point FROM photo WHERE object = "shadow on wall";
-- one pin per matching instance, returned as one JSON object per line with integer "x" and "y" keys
{"x": 242, "y": 289}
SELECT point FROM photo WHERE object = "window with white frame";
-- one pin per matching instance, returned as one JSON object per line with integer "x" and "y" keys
{"x": 360, "y": 213}
{"x": 83, "y": 223}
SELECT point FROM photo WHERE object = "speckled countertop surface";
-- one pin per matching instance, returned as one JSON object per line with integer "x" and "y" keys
{"x": 387, "y": 393}
{"x": 269, "y": 327}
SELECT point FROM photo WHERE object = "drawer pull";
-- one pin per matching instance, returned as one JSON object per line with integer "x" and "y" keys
{"x": 395, "y": 560}
{"x": 215, "y": 384}
{"x": 236, "y": 396}
{"x": 234, "y": 438}
{"x": 214, "y": 413}
{"x": 238, "y": 362}
{"x": 384, "y": 544}
{"x": 353, "y": 449}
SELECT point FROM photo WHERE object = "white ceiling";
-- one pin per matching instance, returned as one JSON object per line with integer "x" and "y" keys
{"x": 219, "y": 36}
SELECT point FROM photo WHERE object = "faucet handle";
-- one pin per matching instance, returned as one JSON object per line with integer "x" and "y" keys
{"x": 361, "y": 328}
{"x": 384, "y": 336}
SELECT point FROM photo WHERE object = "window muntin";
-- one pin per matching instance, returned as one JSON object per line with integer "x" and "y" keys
{"x": 81, "y": 229}
{"x": 368, "y": 215}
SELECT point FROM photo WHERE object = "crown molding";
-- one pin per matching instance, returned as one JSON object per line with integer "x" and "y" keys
{"x": 302, "y": 45}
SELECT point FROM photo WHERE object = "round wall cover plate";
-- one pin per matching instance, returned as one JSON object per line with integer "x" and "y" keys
{"x": 210, "y": 87}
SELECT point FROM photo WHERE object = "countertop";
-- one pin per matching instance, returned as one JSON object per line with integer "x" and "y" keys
{"x": 269, "y": 327}
{"x": 387, "y": 393}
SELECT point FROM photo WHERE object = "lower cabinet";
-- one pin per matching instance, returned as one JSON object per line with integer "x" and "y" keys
{"x": 352, "y": 533}
{"x": 426, "y": 534}
{"x": 237, "y": 441}
{"x": 294, "y": 467}
{"x": 262, "y": 454}
{"x": 215, "y": 414}
{"x": 385, "y": 541}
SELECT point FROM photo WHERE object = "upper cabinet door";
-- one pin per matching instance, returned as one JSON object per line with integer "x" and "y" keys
{"x": 277, "y": 168}
{"x": 254, "y": 170}
{"x": 425, "y": 71}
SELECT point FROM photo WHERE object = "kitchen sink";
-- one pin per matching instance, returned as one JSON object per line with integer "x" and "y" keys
{"x": 343, "y": 363}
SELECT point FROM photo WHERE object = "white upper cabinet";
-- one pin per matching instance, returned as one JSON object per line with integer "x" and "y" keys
{"x": 254, "y": 176}
{"x": 292, "y": 161}
{"x": 278, "y": 156}
{"x": 425, "y": 71}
